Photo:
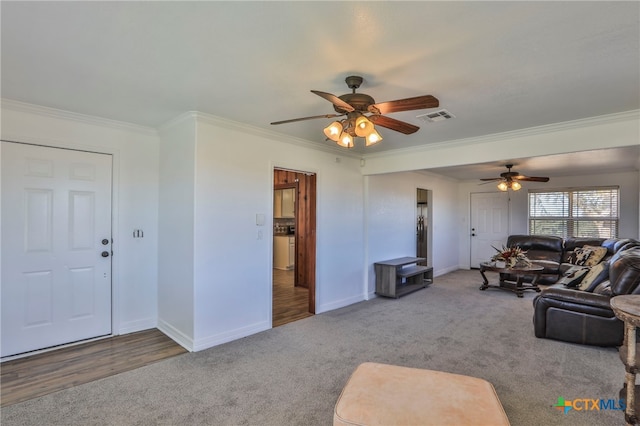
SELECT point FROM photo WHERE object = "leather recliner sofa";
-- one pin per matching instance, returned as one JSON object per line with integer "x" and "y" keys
{"x": 553, "y": 253}
{"x": 582, "y": 317}
{"x": 543, "y": 250}
{"x": 573, "y": 315}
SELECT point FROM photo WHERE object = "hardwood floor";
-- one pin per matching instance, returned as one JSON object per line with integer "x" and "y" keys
{"x": 38, "y": 375}
{"x": 290, "y": 303}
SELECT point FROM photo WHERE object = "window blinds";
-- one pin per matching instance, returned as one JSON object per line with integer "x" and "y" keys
{"x": 574, "y": 212}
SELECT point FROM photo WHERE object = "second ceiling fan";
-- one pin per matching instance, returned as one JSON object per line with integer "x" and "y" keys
{"x": 509, "y": 180}
{"x": 362, "y": 112}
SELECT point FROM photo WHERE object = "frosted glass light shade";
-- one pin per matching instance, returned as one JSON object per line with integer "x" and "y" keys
{"x": 373, "y": 138}
{"x": 515, "y": 185}
{"x": 333, "y": 131}
{"x": 346, "y": 140}
{"x": 363, "y": 127}
{"x": 502, "y": 186}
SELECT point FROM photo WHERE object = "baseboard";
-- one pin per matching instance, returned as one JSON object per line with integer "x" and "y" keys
{"x": 339, "y": 304}
{"x": 228, "y": 336}
{"x": 176, "y": 335}
{"x": 135, "y": 326}
{"x": 446, "y": 271}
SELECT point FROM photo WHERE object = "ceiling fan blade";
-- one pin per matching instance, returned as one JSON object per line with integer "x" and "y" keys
{"x": 490, "y": 179}
{"x": 334, "y": 100}
{"x": 532, "y": 178}
{"x": 308, "y": 118}
{"x": 409, "y": 104}
{"x": 393, "y": 124}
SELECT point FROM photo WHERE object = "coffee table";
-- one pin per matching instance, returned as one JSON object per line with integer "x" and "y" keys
{"x": 518, "y": 287}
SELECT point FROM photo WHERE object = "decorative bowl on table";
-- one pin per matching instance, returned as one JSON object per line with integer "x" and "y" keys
{"x": 510, "y": 257}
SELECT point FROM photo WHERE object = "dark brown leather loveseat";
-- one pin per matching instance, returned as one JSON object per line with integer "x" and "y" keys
{"x": 584, "y": 317}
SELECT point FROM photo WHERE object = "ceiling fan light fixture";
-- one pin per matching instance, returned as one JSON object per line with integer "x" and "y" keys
{"x": 355, "y": 105}
{"x": 373, "y": 138}
{"x": 511, "y": 180}
{"x": 345, "y": 140}
{"x": 333, "y": 131}
{"x": 363, "y": 127}
{"x": 514, "y": 185}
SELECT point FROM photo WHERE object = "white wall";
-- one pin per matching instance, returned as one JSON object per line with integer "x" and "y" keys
{"x": 135, "y": 190}
{"x": 390, "y": 219}
{"x": 232, "y": 266}
{"x": 176, "y": 231}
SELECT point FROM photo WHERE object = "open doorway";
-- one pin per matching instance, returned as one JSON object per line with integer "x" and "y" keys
{"x": 294, "y": 246}
{"x": 424, "y": 235}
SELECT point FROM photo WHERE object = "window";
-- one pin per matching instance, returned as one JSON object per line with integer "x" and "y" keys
{"x": 574, "y": 212}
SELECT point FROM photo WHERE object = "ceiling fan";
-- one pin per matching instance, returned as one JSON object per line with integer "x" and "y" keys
{"x": 509, "y": 179}
{"x": 356, "y": 106}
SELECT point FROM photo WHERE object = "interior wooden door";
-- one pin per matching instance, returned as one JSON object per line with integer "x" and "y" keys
{"x": 306, "y": 238}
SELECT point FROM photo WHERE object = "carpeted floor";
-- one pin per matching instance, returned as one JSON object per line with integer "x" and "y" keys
{"x": 292, "y": 375}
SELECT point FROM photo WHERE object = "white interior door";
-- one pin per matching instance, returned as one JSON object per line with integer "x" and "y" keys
{"x": 56, "y": 247}
{"x": 489, "y": 225}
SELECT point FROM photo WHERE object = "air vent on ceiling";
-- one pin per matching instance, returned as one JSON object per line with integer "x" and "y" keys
{"x": 433, "y": 117}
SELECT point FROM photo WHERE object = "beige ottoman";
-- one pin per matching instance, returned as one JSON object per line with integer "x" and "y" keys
{"x": 380, "y": 394}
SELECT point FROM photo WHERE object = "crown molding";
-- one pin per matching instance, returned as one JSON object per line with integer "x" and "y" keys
{"x": 267, "y": 134}
{"x": 633, "y": 115}
{"x": 185, "y": 116}
{"x": 19, "y": 106}
{"x": 14, "y": 105}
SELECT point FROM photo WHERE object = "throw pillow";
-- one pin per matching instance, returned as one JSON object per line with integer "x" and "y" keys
{"x": 595, "y": 276}
{"x": 603, "y": 288}
{"x": 580, "y": 256}
{"x": 597, "y": 254}
{"x": 573, "y": 276}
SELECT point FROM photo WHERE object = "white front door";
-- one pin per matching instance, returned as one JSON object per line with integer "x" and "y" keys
{"x": 489, "y": 225}
{"x": 56, "y": 247}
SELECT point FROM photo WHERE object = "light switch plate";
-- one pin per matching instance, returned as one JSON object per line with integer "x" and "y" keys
{"x": 260, "y": 219}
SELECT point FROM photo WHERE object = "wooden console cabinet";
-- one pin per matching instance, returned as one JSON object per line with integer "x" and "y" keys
{"x": 397, "y": 277}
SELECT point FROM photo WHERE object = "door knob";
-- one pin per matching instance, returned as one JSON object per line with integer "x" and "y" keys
{"x": 105, "y": 242}
{"x": 105, "y": 254}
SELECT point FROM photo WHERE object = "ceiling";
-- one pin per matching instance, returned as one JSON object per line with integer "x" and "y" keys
{"x": 496, "y": 66}
{"x": 583, "y": 163}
